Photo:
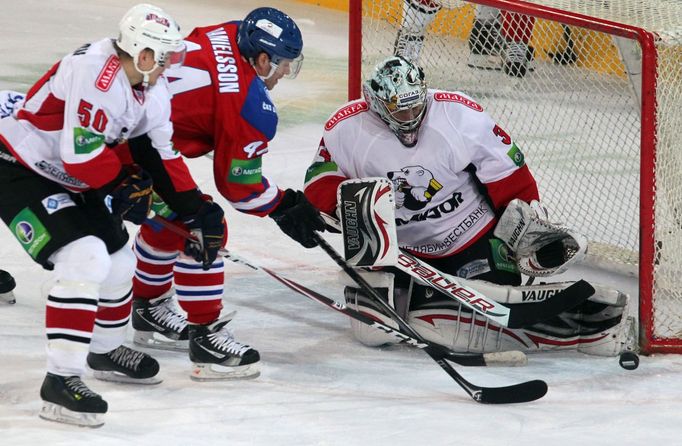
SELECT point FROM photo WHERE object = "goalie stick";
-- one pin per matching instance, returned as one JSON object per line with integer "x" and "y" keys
{"x": 516, "y": 393}
{"x": 509, "y": 358}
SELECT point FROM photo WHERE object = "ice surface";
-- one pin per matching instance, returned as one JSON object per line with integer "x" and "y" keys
{"x": 318, "y": 387}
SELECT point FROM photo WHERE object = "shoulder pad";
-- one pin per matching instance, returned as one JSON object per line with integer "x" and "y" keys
{"x": 443, "y": 96}
{"x": 347, "y": 111}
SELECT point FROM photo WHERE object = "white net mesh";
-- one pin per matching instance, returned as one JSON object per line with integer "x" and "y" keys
{"x": 571, "y": 98}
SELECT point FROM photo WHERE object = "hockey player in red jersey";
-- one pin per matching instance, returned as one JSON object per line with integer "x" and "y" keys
{"x": 461, "y": 189}
{"x": 220, "y": 104}
{"x": 64, "y": 193}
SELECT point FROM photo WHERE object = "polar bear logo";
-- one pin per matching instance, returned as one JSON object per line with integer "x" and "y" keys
{"x": 414, "y": 187}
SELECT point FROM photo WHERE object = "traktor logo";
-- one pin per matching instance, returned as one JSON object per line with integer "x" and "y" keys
{"x": 24, "y": 232}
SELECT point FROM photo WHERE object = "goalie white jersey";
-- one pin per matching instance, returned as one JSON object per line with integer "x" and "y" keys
{"x": 440, "y": 205}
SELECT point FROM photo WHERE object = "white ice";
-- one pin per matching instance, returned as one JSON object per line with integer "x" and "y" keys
{"x": 317, "y": 387}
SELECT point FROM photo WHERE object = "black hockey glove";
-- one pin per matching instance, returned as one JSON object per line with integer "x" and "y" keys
{"x": 132, "y": 197}
{"x": 297, "y": 218}
{"x": 208, "y": 226}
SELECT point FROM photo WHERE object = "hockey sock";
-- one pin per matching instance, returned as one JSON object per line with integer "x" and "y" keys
{"x": 154, "y": 270}
{"x": 199, "y": 291}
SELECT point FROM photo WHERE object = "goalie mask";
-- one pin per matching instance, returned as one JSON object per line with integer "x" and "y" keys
{"x": 397, "y": 93}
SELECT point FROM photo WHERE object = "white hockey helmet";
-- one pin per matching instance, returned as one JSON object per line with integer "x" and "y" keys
{"x": 397, "y": 93}
{"x": 147, "y": 26}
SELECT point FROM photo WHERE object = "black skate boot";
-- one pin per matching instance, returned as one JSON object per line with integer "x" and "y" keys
{"x": 124, "y": 365}
{"x": 485, "y": 45}
{"x": 7, "y": 284}
{"x": 159, "y": 324}
{"x": 216, "y": 355}
{"x": 67, "y": 399}
{"x": 518, "y": 59}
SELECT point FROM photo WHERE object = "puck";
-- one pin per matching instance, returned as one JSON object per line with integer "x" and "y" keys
{"x": 629, "y": 360}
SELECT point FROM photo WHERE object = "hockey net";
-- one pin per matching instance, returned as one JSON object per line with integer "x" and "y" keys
{"x": 598, "y": 114}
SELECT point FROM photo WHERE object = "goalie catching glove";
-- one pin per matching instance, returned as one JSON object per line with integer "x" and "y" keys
{"x": 297, "y": 218}
{"x": 208, "y": 228}
{"x": 541, "y": 248}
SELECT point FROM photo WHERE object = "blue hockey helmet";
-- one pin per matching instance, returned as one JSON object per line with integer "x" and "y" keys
{"x": 271, "y": 31}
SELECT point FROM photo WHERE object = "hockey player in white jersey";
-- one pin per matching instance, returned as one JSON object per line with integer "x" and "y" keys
{"x": 64, "y": 193}
{"x": 456, "y": 174}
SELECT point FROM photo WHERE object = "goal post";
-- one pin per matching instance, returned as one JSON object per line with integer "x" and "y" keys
{"x": 591, "y": 90}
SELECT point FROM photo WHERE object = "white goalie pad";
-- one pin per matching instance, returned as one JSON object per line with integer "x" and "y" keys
{"x": 367, "y": 211}
{"x": 541, "y": 248}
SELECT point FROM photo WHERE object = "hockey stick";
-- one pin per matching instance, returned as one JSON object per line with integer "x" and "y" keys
{"x": 466, "y": 292}
{"x": 510, "y": 358}
{"x": 519, "y": 316}
{"x": 517, "y": 393}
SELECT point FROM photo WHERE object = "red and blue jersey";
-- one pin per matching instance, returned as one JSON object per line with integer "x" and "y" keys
{"x": 221, "y": 105}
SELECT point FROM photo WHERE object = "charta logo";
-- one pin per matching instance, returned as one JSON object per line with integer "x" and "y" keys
{"x": 24, "y": 231}
{"x": 414, "y": 187}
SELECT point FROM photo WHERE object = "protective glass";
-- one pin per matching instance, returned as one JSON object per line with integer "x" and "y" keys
{"x": 288, "y": 68}
{"x": 174, "y": 59}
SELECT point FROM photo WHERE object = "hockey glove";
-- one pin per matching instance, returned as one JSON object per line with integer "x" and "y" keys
{"x": 208, "y": 228}
{"x": 297, "y": 218}
{"x": 132, "y": 197}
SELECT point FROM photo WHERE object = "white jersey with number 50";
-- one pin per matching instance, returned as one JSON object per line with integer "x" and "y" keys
{"x": 447, "y": 187}
{"x": 83, "y": 103}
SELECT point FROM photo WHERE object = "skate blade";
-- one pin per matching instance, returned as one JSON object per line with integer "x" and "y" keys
{"x": 158, "y": 341}
{"x": 215, "y": 372}
{"x": 60, "y": 414}
{"x": 116, "y": 377}
{"x": 8, "y": 298}
{"x": 485, "y": 62}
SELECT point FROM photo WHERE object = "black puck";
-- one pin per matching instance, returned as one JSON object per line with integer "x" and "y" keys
{"x": 629, "y": 360}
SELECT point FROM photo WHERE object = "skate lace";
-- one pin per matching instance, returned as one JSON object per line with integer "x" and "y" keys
{"x": 516, "y": 52}
{"x": 74, "y": 384}
{"x": 126, "y": 357}
{"x": 167, "y": 315}
{"x": 224, "y": 340}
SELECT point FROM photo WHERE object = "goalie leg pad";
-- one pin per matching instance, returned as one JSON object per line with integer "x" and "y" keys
{"x": 363, "y": 333}
{"x": 597, "y": 327}
{"x": 356, "y": 299}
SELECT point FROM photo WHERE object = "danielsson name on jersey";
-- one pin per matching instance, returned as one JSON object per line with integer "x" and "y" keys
{"x": 439, "y": 207}
{"x": 81, "y": 104}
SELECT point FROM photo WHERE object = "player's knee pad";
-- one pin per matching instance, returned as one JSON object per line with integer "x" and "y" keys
{"x": 161, "y": 241}
{"x": 83, "y": 260}
{"x": 121, "y": 273}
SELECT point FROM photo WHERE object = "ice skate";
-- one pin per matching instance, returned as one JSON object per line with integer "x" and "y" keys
{"x": 158, "y": 323}
{"x": 216, "y": 355}
{"x": 66, "y": 399}
{"x": 124, "y": 365}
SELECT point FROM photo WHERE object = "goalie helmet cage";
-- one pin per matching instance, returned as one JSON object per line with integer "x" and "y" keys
{"x": 598, "y": 115}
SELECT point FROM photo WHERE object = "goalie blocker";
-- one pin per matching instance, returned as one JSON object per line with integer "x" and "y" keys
{"x": 598, "y": 326}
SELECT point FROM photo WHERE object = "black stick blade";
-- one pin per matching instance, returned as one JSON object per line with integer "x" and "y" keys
{"x": 518, "y": 393}
{"x": 523, "y": 315}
